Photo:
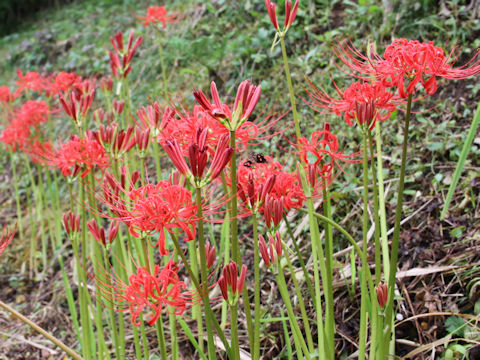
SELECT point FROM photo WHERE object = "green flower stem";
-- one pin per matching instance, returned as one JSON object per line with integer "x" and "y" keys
{"x": 17, "y": 195}
{"x": 381, "y": 202}
{"x": 234, "y": 329}
{"x": 236, "y": 256}
{"x": 363, "y": 281}
{"x": 290, "y": 87}
{"x": 172, "y": 318}
{"x": 327, "y": 283}
{"x": 256, "y": 270}
{"x": 156, "y": 156}
{"x": 225, "y": 248}
{"x": 198, "y": 288}
{"x": 396, "y": 232}
{"x": 203, "y": 272}
{"x": 196, "y": 308}
{"x": 37, "y": 328}
{"x": 300, "y": 259}
{"x": 298, "y": 292}
{"x": 282, "y": 287}
{"x": 318, "y": 257}
{"x": 376, "y": 219}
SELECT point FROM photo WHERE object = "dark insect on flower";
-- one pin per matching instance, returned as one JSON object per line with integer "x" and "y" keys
{"x": 255, "y": 158}
{"x": 258, "y": 158}
{"x": 248, "y": 164}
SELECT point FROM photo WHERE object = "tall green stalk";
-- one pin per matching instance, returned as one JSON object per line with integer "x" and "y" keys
{"x": 290, "y": 86}
{"x": 396, "y": 232}
{"x": 256, "y": 267}
{"x": 203, "y": 272}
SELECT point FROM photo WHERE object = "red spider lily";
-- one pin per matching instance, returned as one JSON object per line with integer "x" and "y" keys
{"x": 16, "y": 136}
{"x": 210, "y": 253}
{"x": 323, "y": 153}
{"x": 71, "y": 222}
{"x": 158, "y": 14}
{"x": 382, "y": 294}
{"x": 407, "y": 63}
{"x": 5, "y": 95}
{"x": 253, "y": 194}
{"x": 273, "y": 211}
{"x": 32, "y": 113}
{"x": 142, "y": 138}
{"x": 198, "y": 154}
{"x": 157, "y": 290}
{"x": 76, "y": 155}
{"x": 78, "y": 102}
{"x": 151, "y": 117}
{"x": 364, "y": 103}
{"x": 286, "y": 186}
{"x": 106, "y": 83}
{"x": 230, "y": 284}
{"x": 6, "y": 238}
{"x": 290, "y": 14}
{"x": 65, "y": 81}
{"x": 116, "y": 141}
{"x": 99, "y": 232}
{"x": 275, "y": 247}
{"x": 151, "y": 208}
{"x": 120, "y": 59}
{"x": 30, "y": 81}
{"x": 245, "y": 102}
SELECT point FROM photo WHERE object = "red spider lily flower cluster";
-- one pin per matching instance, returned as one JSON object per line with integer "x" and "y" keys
{"x": 273, "y": 211}
{"x": 116, "y": 141}
{"x": 31, "y": 81}
{"x": 230, "y": 283}
{"x": 245, "y": 102}
{"x": 99, "y": 232}
{"x": 18, "y": 133}
{"x": 158, "y": 14}
{"x": 210, "y": 254}
{"x": 271, "y": 252}
{"x": 157, "y": 290}
{"x": 122, "y": 56}
{"x": 151, "y": 208}
{"x": 182, "y": 124}
{"x": 198, "y": 154}
{"x": 71, "y": 223}
{"x": 77, "y": 155}
{"x": 286, "y": 186}
{"x": 253, "y": 194}
{"x": 5, "y": 95}
{"x": 151, "y": 118}
{"x": 290, "y": 14}
{"x": 322, "y": 154}
{"x": 6, "y": 238}
{"x": 78, "y": 102}
{"x": 65, "y": 81}
{"x": 408, "y": 63}
{"x": 382, "y": 294}
{"x": 363, "y": 103}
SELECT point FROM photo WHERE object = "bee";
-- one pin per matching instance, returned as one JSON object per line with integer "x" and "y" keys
{"x": 255, "y": 158}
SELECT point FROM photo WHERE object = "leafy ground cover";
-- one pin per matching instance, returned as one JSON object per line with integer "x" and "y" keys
{"x": 228, "y": 41}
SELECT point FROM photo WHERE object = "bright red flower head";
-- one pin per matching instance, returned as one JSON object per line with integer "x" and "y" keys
{"x": 65, "y": 81}
{"x": 230, "y": 283}
{"x": 408, "y": 63}
{"x": 151, "y": 209}
{"x": 322, "y": 153}
{"x": 121, "y": 57}
{"x": 157, "y": 290}
{"x": 77, "y": 155}
{"x": 286, "y": 185}
{"x": 290, "y": 14}
{"x": 31, "y": 81}
{"x": 33, "y": 112}
{"x": 158, "y": 14}
{"x": 5, "y": 95}
{"x": 6, "y": 238}
{"x": 362, "y": 103}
